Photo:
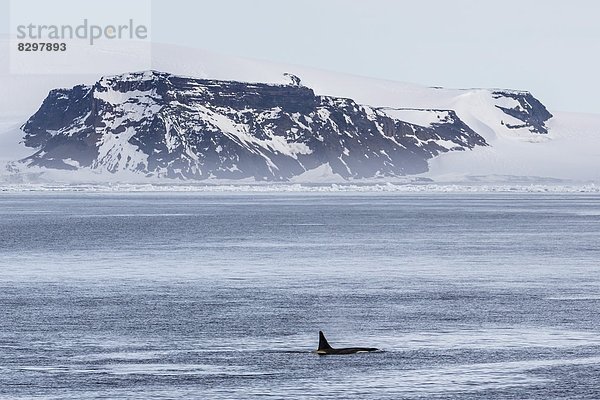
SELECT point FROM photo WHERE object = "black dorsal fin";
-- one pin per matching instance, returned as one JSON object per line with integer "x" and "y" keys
{"x": 323, "y": 345}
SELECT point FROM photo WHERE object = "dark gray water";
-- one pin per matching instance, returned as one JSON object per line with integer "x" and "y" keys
{"x": 222, "y": 296}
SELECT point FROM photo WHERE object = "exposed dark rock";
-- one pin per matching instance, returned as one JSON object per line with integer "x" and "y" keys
{"x": 530, "y": 111}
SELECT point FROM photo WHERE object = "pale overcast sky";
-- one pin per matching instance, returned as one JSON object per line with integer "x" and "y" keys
{"x": 549, "y": 47}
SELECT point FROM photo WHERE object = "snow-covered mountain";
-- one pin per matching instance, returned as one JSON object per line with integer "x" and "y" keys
{"x": 212, "y": 116}
{"x": 163, "y": 125}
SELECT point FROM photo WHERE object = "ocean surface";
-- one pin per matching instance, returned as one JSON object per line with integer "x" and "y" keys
{"x": 219, "y": 296}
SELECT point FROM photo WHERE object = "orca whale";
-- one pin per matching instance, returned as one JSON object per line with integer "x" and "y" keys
{"x": 326, "y": 349}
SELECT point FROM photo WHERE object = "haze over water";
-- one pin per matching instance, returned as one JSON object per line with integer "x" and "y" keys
{"x": 222, "y": 295}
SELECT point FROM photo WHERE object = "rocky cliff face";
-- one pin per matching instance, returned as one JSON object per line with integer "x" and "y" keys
{"x": 526, "y": 109}
{"x": 162, "y": 125}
